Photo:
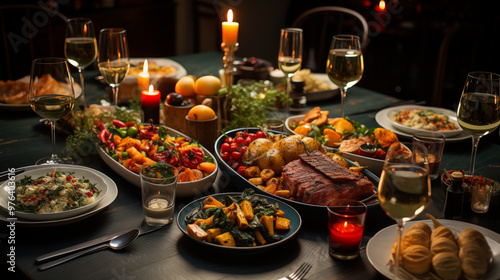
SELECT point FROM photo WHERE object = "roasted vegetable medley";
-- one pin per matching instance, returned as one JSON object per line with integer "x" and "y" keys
{"x": 244, "y": 220}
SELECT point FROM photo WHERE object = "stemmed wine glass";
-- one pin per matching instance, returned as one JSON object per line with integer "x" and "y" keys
{"x": 80, "y": 46}
{"x": 478, "y": 112}
{"x": 345, "y": 64}
{"x": 113, "y": 60}
{"x": 290, "y": 56}
{"x": 404, "y": 190}
{"x": 51, "y": 95}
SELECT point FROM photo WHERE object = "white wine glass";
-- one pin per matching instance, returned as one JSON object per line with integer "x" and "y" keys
{"x": 345, "y": 64}
{"x": 113, "y": 59}
{"x": 478, "y": 112}
{"x": 404, "y": 191}
{"x": 80, "y": 46}
{"x": 51, "y": 96}
{"x": 290, "y": 57}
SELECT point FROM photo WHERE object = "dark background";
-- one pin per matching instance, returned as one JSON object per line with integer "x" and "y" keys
{"x": 401, "y": 59}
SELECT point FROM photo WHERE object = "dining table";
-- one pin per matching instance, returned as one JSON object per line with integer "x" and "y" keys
{"x": 168, "y": 253}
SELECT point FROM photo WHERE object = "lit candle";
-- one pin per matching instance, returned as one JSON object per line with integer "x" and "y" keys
{"x": 150, "y": 102}
{"x": 345, "y": 237}
{"x": 230, "y": 30}
{"x": 143, "y": 78}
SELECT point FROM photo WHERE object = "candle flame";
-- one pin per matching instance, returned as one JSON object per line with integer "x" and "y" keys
{"x": 151, "y": 89}
{"x": 345, "y": 224}
{"x": 145, "y": 67}
{"x": 381, "y": 5}
{"x": 85, "y": 29}
{"x": 230, "y": 15}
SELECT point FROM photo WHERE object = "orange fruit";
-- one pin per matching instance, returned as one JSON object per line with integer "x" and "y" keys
{"x": 207, "y": 85}
{"x": 185, "y": 86}
{"x": 201, "y": 113}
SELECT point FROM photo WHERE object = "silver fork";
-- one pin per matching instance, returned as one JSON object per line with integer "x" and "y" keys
{"x": 299, "y": 274}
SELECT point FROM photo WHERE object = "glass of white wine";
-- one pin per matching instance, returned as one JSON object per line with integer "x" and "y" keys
{"x": 345, "y": 64}
{"x": 404, "y": 191}
{"x": 51, "y": 96}
{"x": 80, "y": 46}
{"x": 113, "y": 59}
{"x": 478, "y": 112}
{"x": 290, "y": 56}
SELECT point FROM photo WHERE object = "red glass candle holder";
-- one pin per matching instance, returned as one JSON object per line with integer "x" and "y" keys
{"x": 346, "y": 221}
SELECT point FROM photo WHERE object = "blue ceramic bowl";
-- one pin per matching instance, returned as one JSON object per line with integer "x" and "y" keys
{"x": 306, "y": 210}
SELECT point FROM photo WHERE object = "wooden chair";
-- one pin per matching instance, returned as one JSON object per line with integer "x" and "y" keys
{"x": 29, "y": 32}
{"x": 320, "y": 25}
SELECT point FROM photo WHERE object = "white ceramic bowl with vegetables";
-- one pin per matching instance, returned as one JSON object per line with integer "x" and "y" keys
{"x": 184, "y": 189}
{"x": 52, "y": 192}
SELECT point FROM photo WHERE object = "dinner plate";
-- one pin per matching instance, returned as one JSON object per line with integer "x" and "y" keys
{"x": 179, "y": 73}
{"x": 184, "y": 189}
{"x": 26, "y": 106}
{"x": 323, "y": 94}
{"x": 35, "y": 173}
{"x": 111, "y": 195}
{"x": 379, "y": 246}
{"x": 290, "y": 213}
{"x": 310, "y": 210}
{"x": 384, "y": 119}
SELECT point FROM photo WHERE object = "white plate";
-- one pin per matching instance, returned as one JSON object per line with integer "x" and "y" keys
{"x": 35, "y": 173}
{"x": 184, "y": 189}
{"x": 384, "y": 119}
{"x": 180, "y": 71}
{"x": 26, "y": 106}
{"x": 379, "y": 247}
{"x": 111, "y": 195}
{"x": 323, "y": 94}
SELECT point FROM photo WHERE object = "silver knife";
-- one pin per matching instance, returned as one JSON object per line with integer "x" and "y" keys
{"x": 43, "y": 258}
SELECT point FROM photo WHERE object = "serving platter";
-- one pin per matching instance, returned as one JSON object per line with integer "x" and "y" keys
{"x": 184, "y": 189}
{"x": 378, "y": 249}
{"x": 26, "y": 106}
{"x": 180, "y": 71}
{"x": 290, "y": 213}
{"x": 112, "y": 193}
{"x": 312, "y": 211}
{"x": 323, "y": 94}
{"x": 384, "y": 119}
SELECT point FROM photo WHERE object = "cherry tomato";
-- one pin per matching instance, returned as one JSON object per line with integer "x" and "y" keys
{"x": 239, "y": 140}
{"x": 240, "y": 134}
{"x": 226, "y": 156}
{"x": 225, "y": 147}
{"x": 243, "y": 150}
{"x": 241, "y": 170}
{"x": 229, "y": 140}
{"x": 233, "y": 147}
{"x": 236, "y": 155}
{"x": 248, "y": 140}
{"x": 260, "y": 134}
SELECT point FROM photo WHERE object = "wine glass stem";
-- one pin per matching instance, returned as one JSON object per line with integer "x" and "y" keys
{"x": 343, "y": 94}
{"x": 115, "y": 94}
{"x": 398, "y": 251}
{"x": 82, "y": 82}
{"x": 53, "y": 135}
{"x": 475, "y": 142}
{"x": 289, "y": 93}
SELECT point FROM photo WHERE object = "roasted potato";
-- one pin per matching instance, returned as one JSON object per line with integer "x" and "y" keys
{"x": 267, "y": 174}
{"x": 252, "y": 171}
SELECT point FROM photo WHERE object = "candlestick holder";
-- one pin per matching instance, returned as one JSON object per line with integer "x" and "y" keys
{"x": 228, "y": 60}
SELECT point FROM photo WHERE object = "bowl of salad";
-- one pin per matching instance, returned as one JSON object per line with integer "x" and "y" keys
{"x": 126, "y": 147}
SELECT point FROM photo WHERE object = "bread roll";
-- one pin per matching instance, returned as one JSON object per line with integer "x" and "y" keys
{"x": 474, "y": 261}
{"x": 421, "y": 225}
{"x": 412, "y": 237}
{"x": 473, "y": 236}
{"x": 443, "y": 244}
{"x": 442, "y": 231}
{"x": 417, "y": 259}
{"x": 447, "y": 265}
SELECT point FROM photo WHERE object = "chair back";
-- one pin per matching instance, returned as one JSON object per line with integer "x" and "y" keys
{"x": 320, "y": 25}
{"x": 29, "y": 32}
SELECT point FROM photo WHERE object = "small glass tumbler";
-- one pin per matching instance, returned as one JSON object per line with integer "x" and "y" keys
{"x": 481, "y": 196}
{"x": 346, "y": 222}
{"x": 158, "y": 186}
{"x": 428, "y": 149}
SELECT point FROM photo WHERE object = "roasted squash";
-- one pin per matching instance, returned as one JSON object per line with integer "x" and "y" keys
{"x": 225, "y": 239}
{"x": 282, "y": 223}
{"x": 268, "y": 223}
{"x": 259, "y": 237}
{"x": 196, "y": 231}
{"x": 246, "y": 207}
{"x": 212, "y": 233}
{"x": 240, "y": 219}
{"x": 212, "y": 201}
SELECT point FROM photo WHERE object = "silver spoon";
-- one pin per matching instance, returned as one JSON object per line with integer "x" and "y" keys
{"x": 117, "y": 243}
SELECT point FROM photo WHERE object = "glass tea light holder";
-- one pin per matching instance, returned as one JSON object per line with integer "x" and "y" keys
{"x": 346, "y": 222}
{"x": 150, "y": 104}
